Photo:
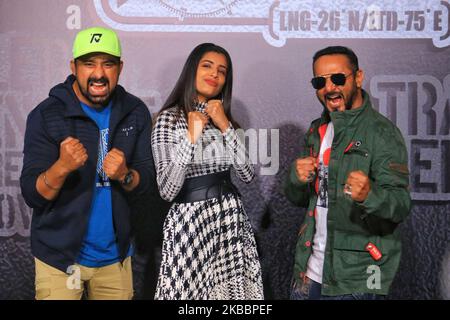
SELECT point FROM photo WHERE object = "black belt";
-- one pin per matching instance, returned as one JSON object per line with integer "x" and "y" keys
{"x": 206, "y": 187}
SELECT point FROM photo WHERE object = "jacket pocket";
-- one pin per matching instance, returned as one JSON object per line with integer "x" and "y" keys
{"x": 355, "y": 148}
{"x": 351, "y": 260}
{"x": 355, "y": 158}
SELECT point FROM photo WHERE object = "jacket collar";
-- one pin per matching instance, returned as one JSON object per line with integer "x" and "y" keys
{"x": 348, "y": 117}
{"x": 345, "y": 122}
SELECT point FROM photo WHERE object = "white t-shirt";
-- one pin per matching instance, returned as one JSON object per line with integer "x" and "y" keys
{"x": 315, "y": 263}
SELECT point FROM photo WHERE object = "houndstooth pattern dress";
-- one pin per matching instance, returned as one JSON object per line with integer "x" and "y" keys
{"x": 207, "y": 253}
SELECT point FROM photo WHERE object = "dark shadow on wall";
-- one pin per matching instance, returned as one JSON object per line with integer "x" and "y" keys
{"x": 148, "y": 213}
{"x": 16, "y": 269}
{"x": 281, "y": 219}
{"x": 425, "y": 238}
{"x": 444, "y": 278}
{"x": 253, "y": 199}
{"x": 275, "y": 221}
{"x": 252, "y": 196}
{"x": 274, "y": 84}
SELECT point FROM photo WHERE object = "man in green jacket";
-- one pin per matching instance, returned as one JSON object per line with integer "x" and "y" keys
{"x": 353, "y": 179}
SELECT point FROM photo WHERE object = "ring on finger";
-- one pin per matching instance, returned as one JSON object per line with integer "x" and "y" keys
{"x": 348, "y": 189}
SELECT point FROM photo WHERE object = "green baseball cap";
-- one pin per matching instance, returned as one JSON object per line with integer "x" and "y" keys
{"x": 96, "y": 40}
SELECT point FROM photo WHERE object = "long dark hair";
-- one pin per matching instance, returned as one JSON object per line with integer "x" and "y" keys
{"x": 184, "y": 94}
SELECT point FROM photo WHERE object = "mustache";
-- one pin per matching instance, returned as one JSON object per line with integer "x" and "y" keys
{"x": 101, "y": 80}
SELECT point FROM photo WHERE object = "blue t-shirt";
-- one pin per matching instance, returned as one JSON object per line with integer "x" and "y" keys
{"x": 100, "y": 244}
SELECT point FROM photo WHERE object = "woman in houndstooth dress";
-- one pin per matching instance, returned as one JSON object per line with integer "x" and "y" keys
{"x": 209, "y": 249}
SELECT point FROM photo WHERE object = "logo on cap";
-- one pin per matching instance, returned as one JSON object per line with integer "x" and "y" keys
{"x": 96, "y": 37}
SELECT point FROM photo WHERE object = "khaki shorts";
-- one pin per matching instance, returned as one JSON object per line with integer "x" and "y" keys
{"x": 112, "y": 282}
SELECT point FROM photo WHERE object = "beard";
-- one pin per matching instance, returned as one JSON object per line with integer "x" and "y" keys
{"x": 95, "y": 99}
{"x": 351, "y": 98}
{"x": 347, "y": 100}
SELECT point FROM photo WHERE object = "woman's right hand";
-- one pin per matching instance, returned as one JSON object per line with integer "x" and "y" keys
{"x": 196, "y": 123}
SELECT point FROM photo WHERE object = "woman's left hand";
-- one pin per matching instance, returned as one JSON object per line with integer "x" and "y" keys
{"x": 215, "y": 111}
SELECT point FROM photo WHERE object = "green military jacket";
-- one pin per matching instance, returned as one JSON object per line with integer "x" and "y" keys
{"x": 367, "y": 141}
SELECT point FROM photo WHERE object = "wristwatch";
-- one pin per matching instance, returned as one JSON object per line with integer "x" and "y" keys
{"x": 128, "y": 179}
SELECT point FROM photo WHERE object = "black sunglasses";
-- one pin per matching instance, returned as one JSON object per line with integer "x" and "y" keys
{"x": 337, "y": 78}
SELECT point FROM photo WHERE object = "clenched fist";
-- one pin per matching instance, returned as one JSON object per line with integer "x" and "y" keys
{"x": 306, "y": 169}
{"x": 196, "y": 123}
{"x": 215, "y": 111}
{"x": 115, "y": 165}
{"x": 357, "y": 185}
{"x": 72, "y": 154}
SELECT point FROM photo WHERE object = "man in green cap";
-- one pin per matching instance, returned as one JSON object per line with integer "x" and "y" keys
{"x": 87, "y": 149}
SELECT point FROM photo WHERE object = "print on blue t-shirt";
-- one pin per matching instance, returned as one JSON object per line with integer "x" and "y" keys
{"x": 99, "y": 246}
{"x": 102, "y": 179}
